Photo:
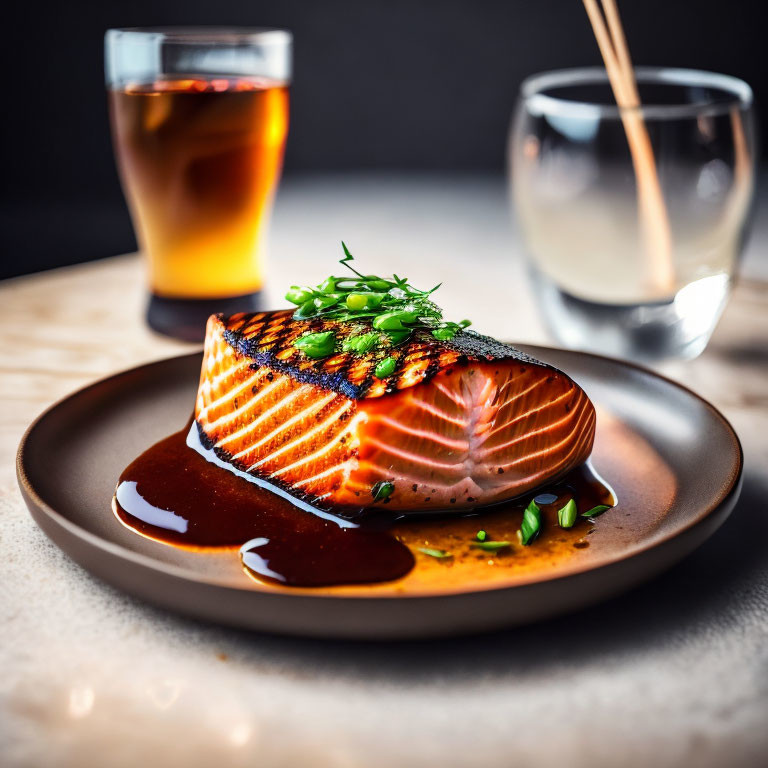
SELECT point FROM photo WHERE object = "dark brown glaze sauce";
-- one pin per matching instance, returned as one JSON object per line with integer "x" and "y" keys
{"x": 174, "y": 495}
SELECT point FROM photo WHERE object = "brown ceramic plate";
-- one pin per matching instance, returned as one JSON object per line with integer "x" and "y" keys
{"x": 673, "y": 460}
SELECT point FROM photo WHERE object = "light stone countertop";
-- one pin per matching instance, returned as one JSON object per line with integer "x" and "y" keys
{"x": 674, "y": 673}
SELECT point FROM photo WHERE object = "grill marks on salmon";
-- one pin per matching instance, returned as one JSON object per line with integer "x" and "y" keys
{"x": 459, "y": 424}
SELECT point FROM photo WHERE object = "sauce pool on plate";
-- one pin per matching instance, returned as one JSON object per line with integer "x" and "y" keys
{"x": 184, "y": 496}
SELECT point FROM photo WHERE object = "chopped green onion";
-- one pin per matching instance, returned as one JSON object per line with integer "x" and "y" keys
{"x": 385, "y": 368}
{"x": 440, "y": 554}
{"x": 316, "y": 345}
{"x": 307, "y": 309}
{"x": 595, "y": 511}
{"x": 531, "y": 525}
{"x": 398, "y": 337}
{"x": 444, "y": 334}
{"x": 448, "y": 330}
{"x": 393, "y": 321}
{"x": 323, "y": 302}
{"x": 328, "y": 285}
{"x": 298, "y": 296}
{"x": 481, "y": 535}
{"x": 382, "y": 490}
{"x": 491, "y": 546}
{"x": 566, "y": 516}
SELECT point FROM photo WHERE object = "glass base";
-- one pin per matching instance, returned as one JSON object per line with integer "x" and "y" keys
{"x": 186, "y": 318}
{"x": 677, "y": 329}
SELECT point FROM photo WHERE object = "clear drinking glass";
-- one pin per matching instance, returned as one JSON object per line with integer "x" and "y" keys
{"x": 599, "y": 282}
{"x": 199, "y": 120}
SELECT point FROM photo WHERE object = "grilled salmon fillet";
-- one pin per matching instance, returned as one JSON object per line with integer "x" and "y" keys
{"x": 458, "y": 424}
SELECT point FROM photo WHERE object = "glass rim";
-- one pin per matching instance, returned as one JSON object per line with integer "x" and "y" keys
{"x": 205, "y": 35}
{"x": 739, "y": 93}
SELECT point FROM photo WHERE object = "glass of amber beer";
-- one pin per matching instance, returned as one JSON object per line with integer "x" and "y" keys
{"x": 199, "y": 119}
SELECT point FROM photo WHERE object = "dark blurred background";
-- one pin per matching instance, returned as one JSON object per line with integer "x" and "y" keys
{"x": 416, "y": 85}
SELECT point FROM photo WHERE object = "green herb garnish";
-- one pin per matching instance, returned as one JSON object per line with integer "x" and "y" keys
{"x": 395, "y": 321}
{"x": 566, "y": 516}
{"x": 357, "y": 301}
{"x": 491, "y": 546}
{"x": 449, "y": 330}
{"x": 595, "y": 511}
{"x": 391, "y": 305}
{"x": 299, "y": 296}
{"x": 316, "y": 345}
{"x": 398, "y": 337}
{"x": 362, "y": 343}
{"x": 382, "y": 490}
{"x": 481, "y": 535}
{"x": 305, "y": 311}
{"x": 444, "y": 334}
{"x": 440, "y": 554}
{"x": 385, "y": 368}
{"x": 531, "y": 525}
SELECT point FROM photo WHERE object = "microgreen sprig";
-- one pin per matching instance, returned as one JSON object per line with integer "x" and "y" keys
{"x": 392, "y": 306}
{"x": 361, "y": 343}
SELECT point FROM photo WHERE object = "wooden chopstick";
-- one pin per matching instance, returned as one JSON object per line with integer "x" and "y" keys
{"x": 652, "y": 210}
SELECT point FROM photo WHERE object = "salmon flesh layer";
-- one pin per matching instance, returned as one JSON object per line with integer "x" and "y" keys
{"x": 458, "y": 424}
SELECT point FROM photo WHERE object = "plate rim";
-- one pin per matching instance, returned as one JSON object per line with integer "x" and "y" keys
{"x": 726, "y": 498}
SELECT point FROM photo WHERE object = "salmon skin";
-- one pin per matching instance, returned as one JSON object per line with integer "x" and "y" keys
{"x": 459, "y": 424}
